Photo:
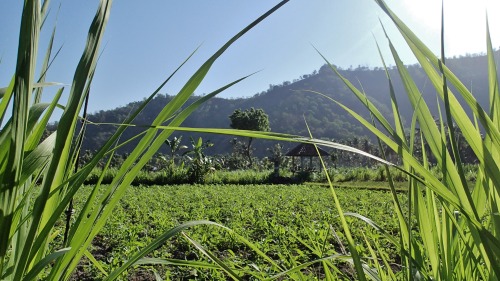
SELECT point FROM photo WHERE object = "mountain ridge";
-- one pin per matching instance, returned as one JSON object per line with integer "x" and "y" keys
{"x": 290, "y": 103}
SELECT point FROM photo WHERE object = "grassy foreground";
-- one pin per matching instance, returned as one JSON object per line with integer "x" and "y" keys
{"x": 444, "y": 231}
{"x": 29, "y": 211}
{"x": 290, "y": 224}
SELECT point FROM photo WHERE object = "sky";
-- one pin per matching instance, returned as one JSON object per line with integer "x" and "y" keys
{"x": 145, "y": 41}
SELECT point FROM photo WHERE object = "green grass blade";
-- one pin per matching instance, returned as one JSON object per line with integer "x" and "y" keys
{"x": 308, "y": 264}
{"x": 492, "y": 80}
{"x": 157, "y": 242}
{"x": 373, "y": 110}
{"x": 38, "y": 130}
{"x": 6, "y": 97}
{"x": 58, "y": 168}
{"x": 33, "y": 273}
{"x": 37, "y": 158}
{"x": 45, "y": 66}
{"x": 95, "y": 262}
{"x": 176, "y": 262}
{"x": 212, "y": 257}
{"x": 23, "y": 87}
{"x": 256, "y": 250}
{"x": 399, "y": 129}
{"x": 356, "y": 258}
{"x": 494, "y": 92}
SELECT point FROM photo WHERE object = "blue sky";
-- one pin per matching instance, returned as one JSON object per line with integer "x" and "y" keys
{"x": 146, "y": 40}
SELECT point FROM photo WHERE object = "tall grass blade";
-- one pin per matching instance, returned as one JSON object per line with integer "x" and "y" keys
{"x": 45, "y": 67}
{"x": 356, "y": 258}
{"x": 485, "y": 153}
{"x": 493, "y": 189}
{"x": 58, "y": 168}
{"x": 23, "y": 87}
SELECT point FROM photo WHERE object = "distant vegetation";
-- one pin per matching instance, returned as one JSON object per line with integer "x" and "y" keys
{"x": 249, "y": 119}
{"x": 287, "y": 103}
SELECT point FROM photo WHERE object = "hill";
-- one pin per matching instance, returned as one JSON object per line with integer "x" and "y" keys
{"x": 289, "y": 103}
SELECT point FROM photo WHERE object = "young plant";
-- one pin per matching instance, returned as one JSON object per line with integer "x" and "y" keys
{"x": 200, "y": 163}
{"x": 174, "y": 145}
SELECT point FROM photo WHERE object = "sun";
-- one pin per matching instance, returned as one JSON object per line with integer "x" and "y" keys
{"x": 424, "y": 12}
{"x": 464, "y": 22}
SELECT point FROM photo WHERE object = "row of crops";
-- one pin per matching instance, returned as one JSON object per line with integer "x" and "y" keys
{"x": 290, "y": 224}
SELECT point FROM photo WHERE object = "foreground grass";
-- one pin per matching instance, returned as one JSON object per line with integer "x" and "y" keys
{"x": 290, "y": 224}
{"x": 445, "y": 231}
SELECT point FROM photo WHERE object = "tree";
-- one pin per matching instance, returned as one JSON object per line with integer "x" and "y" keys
{"x": 250, "y": 119}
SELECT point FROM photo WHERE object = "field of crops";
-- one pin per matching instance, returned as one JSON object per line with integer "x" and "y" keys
{"x": 445, "y": 229}
{"x": 290, "y": 224}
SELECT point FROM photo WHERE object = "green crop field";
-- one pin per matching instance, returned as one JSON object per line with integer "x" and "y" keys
{"x": 289, "y": 224}
{"x": 437, "y": 226}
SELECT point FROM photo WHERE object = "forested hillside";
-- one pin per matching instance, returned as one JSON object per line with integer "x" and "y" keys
{"x": 289, "y": 103}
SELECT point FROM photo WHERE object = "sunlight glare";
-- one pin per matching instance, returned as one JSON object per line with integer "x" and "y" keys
{"x": 465, "y": 22}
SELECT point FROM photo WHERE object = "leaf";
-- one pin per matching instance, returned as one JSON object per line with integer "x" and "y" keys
{"x": 176, "y": 262}
{"x": 211, "y": 256}
{"x": 39, "y": 266}
{"x": 154, "y": 245}
{"x": 95, "y": 262}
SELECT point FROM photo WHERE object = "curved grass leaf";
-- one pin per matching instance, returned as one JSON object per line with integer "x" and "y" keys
{"x": 176, "y": 262}
{"x": 33, "y": 273}
{"x": 212, "y": 257}
{"x": 156, "y": 243}
{"x": 95, "y": 262}
{"x": 308, "y": 264}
